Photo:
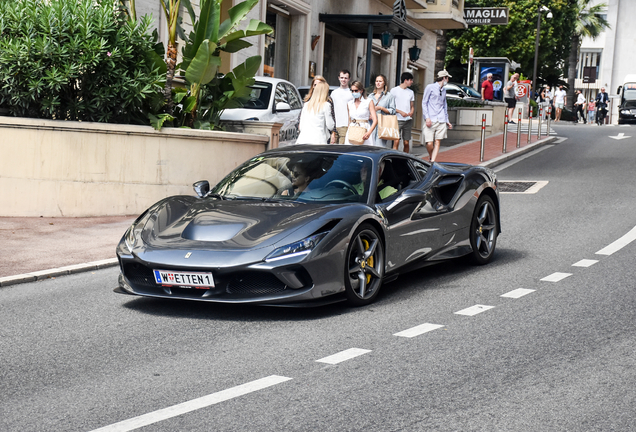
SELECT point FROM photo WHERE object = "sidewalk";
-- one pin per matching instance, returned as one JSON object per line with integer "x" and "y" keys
{"x": 39, "y": 248}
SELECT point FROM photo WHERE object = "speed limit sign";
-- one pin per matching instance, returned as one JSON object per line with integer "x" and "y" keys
{"x": 521, "y": 91}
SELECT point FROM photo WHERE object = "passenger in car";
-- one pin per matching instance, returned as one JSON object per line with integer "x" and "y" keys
{"x": 384, "y": 190}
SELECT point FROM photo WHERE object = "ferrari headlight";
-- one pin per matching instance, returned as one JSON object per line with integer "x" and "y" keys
{"x": 134, "y": 232}
{"x": 626, "y": 112}
{"x": 302, "y": 247}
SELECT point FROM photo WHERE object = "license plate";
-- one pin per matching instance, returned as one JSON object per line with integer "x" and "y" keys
{"x": 185, "y": 279}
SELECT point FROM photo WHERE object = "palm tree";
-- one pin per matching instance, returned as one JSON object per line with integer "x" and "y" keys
{"x": 591, "y": 23}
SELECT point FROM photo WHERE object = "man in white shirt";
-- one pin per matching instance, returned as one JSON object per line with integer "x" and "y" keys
{"x": 560, "y": 99}
{"x": 341, "y": 97}
{"x": 404, "y": 103}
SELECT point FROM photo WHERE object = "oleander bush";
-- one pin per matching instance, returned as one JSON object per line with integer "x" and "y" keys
{"x": 78, "y": 60}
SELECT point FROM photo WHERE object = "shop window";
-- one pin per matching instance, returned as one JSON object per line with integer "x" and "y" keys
{"x": 276, "y": 59}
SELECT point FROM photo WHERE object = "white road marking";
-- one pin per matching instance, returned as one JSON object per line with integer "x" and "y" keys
{"x": 343, "y": 356}
{"x": 194, "y": 404}
{"x": 518, "y": 293}
{"x": 619, "y": 244}
{"x": 474, "y": 310}
{"x": 418, "y": 330}
{"x": 584, "y": 263}
{"x": 555, "y": 277}
{"x": 620, "y": 136}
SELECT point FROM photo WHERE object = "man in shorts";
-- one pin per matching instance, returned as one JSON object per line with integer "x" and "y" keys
{"x": 435, "y": 113}
{"x": 404, "y": 103}
{"x": 560, "y": 99}
{"x": 341, "y": 97}
{"x": 510, "y": 96}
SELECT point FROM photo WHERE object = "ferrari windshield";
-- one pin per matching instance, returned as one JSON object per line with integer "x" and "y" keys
{"x": 317, "y": 177}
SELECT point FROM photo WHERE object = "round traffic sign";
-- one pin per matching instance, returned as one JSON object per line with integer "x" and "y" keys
{"x": 521, "y": 91}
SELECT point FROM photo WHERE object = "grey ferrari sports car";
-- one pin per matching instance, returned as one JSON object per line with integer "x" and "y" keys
{"x": 310, "y": 225}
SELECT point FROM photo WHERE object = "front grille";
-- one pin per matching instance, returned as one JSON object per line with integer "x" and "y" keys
{"x": 527, "y": 187}
{"x": 255, "y": 284}
{"x": 139, "y": 274}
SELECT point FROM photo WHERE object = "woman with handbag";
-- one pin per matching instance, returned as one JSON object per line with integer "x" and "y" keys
{"x": 333, "y": 133}
{"x": 361, "y": 110}
{"x": 384, "y": 103}
{"x": 316, "y": 120}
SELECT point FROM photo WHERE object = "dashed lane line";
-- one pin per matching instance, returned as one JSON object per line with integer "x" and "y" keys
{"x": 556, "y": 277}
{"x": 343, "y": 356}
{"x": 418, "y": 330}
{"x": 518, "y": 293}
{"x": 619, "y": 244}
{"x": 474, "y": 310}
{"x": 584, "y": 263}
{"x": 194, "y": 404}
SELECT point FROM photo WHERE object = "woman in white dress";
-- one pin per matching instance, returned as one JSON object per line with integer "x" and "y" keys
{"x": 316, "y": 120}
{"x": 361, "y": 111}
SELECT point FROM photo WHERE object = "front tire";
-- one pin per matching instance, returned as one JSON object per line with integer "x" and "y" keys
{"x": 364, "y": 266}
{"x": 484, "y": 230}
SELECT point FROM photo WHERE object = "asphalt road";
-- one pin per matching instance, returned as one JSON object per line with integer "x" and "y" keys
{"x": 74, "y": 356}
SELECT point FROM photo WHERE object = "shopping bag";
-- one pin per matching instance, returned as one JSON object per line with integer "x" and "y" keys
{"x": 388, "y": 128}
{"x": 356, "y": 134}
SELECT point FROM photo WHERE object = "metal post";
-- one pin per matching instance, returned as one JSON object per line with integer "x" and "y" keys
{"x": 529, "y": 124}
{"x": 519, "y": 129}
{"x": 549, "y": 120}
{"x": 483, "y": 137}
{"x": 503, "y": 150}
{"x": 536, "y": 52}
{"x": 367, "y": 73}
{"x": 539, "y": 123}
{"x": 398, "y": 69}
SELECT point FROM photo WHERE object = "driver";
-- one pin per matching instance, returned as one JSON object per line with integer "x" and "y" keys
{"x": 383, "y": 191}
{"x": 300, "y": 181}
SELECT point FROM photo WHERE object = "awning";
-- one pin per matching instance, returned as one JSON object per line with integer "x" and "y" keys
{"x": 371, "y": 27}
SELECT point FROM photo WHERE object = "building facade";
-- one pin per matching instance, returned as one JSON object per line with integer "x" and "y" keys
{"x": 322, "y": 37}
{"x": 610, "y": 53}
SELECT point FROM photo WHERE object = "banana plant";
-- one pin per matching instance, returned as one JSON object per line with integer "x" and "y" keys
{"x": 202, "y": 59}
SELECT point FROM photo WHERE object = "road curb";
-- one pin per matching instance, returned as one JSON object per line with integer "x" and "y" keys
{"x": 60, "y": 271}
{"x": 517, "y": 152}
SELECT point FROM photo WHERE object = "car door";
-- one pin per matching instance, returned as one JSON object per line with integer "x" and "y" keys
{"x": 413, "y": 221}
{"x": 287, "y": 94}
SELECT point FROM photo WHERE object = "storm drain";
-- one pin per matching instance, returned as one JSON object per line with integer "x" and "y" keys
{"x": 521, "y": 187}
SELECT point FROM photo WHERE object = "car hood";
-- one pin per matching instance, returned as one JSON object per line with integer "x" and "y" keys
{"x": 209, "y": 224}
{"x": 238, "y": 114}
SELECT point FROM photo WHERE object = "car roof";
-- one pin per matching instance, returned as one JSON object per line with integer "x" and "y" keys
{"x": 375, "y": 153}
{"x": 271, "y": 80}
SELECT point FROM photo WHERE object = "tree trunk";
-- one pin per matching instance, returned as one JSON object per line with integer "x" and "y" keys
{"x": 171, "y": 62}
{"x": 573, "y": 60}
{"x": 440, "y": 52}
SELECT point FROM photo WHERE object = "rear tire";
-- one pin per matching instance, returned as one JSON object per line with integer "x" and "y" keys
{"x": 484, "y": 230}
{"x": 364, "y": 267}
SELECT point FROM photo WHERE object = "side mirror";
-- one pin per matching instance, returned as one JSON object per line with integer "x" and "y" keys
{"x": 202, "y": 187}
{"x": 282, "y": 107}
{"x": 619, "y": 90}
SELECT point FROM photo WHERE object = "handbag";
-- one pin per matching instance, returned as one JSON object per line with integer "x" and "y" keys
{"x": 356, "y": 134}
{"x": 388, "y": 127}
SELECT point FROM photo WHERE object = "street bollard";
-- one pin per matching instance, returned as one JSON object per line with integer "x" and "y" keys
{"x": 483, "y": 137}
{"x": 539, "y": 123}
{"x": 549, "y": 120}
{"x": 505, "y": 133}
{"x": 529, "y": 125}
{"x": 519, "y": 129}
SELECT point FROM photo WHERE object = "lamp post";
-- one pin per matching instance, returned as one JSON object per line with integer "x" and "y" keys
{"x": 536, "y": 45}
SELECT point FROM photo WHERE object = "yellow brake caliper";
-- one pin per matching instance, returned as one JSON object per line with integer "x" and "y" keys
{"x": 369, "y": 262}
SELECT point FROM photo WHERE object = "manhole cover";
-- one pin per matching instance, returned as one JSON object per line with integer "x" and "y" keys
{"x": 527, "y": 187}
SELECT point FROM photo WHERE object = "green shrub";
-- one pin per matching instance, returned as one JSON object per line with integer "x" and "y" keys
{"x": 452, "y": 102}
{"x": 77, "y": 60}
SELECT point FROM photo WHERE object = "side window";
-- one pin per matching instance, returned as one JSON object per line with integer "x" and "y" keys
{"x": 294, "y": 100}
{"x": 281, "y": 94}
{"x": 396, "y": 176}
{"x": 421, "y": 169}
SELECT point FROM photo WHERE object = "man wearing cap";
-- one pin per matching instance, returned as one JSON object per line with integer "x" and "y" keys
{"x": 435, "y": 113}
